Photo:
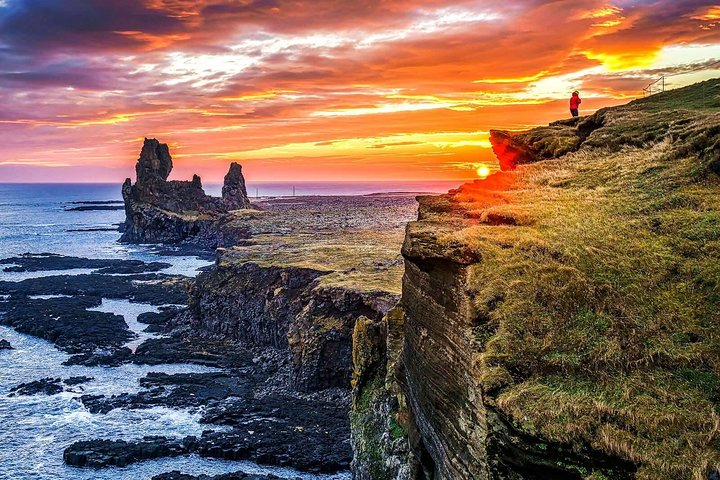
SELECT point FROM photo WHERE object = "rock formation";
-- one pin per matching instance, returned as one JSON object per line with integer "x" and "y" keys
{"x": 162, "y": 211}
{"x": 234, "y": 193}
{"x": 286, "y": 308}
{"x": 537, "y": 338}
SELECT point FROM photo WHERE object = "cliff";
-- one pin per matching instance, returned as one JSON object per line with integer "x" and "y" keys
{"x": 558, "y": 320}
{"x": 162, "y": 211}
{"x": 307, "y": 271}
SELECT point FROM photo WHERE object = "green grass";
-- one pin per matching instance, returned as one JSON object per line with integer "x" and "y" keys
{"x": 361, "y": 260}
{"x": 599, "y": 312}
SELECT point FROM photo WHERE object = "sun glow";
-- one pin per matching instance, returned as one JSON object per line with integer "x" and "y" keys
{"x": 483, "y": 171}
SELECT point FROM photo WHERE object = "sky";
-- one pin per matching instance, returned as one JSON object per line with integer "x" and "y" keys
{"x": 295, "y": 90}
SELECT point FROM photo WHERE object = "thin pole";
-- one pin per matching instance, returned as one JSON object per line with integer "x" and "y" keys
{"x": 293, "y": 190}
{"x": 257, "y": 192}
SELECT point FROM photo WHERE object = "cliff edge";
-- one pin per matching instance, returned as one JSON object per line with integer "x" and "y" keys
{"x": 559, "y": 319}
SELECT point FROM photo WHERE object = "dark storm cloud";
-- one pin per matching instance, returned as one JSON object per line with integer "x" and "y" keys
{"x": 47, "y": 25}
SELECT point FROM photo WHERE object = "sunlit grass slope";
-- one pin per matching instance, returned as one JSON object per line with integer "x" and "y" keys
{"x": 597, "y": 290}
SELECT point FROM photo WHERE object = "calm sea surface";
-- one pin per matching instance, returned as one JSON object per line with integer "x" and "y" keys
{"x": 34, "y": 430}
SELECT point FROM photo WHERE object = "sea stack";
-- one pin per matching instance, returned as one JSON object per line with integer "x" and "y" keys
{"x": 234, "y": 192}
{"x": 170, "y": 211}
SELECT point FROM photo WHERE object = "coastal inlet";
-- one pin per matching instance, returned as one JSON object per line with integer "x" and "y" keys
{"x": 136, "y": 360}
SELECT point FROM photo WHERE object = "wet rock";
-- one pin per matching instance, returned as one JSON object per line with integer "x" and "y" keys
{"x": 155, "y": 289}
{"x": 5, "y": 345}
{"x": 162, "y": 317}
{"x": 159, "y": 322}
{"x": 38, "y": 262}
{"x": 308, "y": 433}
{"x": 176, "y": 391}
{"x": 185, "y": 347}
{"x": 176, "y": 475}
{"x": 48, "y": 386}
{"x": 266, "y": 440}
{"x": 105, "y": 453}
{"x": 113, "y": 357}
{"x": 66, "y": 322}
{"x": 77, "y": 380}
{"x": 283, "y": 445}
{"x": 88, "y": 208}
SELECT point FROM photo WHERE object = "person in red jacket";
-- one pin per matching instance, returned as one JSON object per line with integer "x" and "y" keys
{"x": 575, "y": 103}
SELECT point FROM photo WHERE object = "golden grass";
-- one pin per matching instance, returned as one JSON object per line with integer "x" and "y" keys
{"x": 361, "y": 260}
{"x": 599, "y": 309}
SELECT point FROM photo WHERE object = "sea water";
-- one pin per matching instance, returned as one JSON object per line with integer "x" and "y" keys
{"x": 34, "y": 430}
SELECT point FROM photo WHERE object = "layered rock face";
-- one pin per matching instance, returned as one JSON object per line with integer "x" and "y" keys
{"x": 288, "y": 309}
{"x": 162, "y": 211}
{"x": 543, "y": 334}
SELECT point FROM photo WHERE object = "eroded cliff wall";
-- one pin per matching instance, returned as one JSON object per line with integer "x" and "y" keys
{"x": 559, "y": 317}
{"x": 289, "y": 309}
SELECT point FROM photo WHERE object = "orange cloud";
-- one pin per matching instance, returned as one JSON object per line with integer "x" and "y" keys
{"x": 712, "y": 13}
{"x": 371, "y": 90}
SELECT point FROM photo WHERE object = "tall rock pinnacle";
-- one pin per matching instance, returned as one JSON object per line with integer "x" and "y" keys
{"x": 234, "y": 192}
{"x": 155, "y": 162}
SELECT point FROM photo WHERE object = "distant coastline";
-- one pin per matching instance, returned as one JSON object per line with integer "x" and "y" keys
{"x": 285, "y": 187}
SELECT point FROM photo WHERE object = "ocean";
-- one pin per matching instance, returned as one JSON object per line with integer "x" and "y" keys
{"x": 36, "y": 429}
{"x": 34, "y": 217}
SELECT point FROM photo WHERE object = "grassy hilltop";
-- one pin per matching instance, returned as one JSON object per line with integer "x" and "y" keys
{"x": 597, "y": 280}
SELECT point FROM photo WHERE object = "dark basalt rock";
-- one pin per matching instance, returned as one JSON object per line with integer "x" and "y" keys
{"x": 113, "y": 357}
{"x": 163, "y": 317}
{"x": 95, "y": 338}
{"x": 66, "y": 322}
{"x": 310, "y": 434}
{"x": 38, "y": 262}
{"x": 104, "y": 453}
{"x": 162, "y": 211}
{"x": 77, "y": 380}
{"x": 176, "y": 475}
{"x": 47, "y": 386}
{"x": 155, "y": 289}
{"x": 263, "y": 435}
{"x": 177, "y": 391}
{"x": 285, "y": 308}
{"x": 159, "y": 322}
{"x": 5, "y": 345}
{"x": 89, "y": 208}
{"x": 234, "y": 192}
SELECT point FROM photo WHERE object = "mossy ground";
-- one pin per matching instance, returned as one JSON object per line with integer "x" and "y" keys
{"x": 598, "y": 295}
{"x": 356, "y": 239}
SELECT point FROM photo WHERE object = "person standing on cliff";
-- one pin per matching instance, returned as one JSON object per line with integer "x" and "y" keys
{"x": 575, "y": 103}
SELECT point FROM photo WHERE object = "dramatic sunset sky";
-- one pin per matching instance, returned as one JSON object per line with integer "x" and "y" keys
{"x": 322, "y": 89}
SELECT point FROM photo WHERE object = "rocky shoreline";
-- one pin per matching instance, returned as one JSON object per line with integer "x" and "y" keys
{"x": 273, "y": 317}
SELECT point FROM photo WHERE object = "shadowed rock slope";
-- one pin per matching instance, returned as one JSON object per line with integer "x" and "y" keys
{"x": 559, "y": 320}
